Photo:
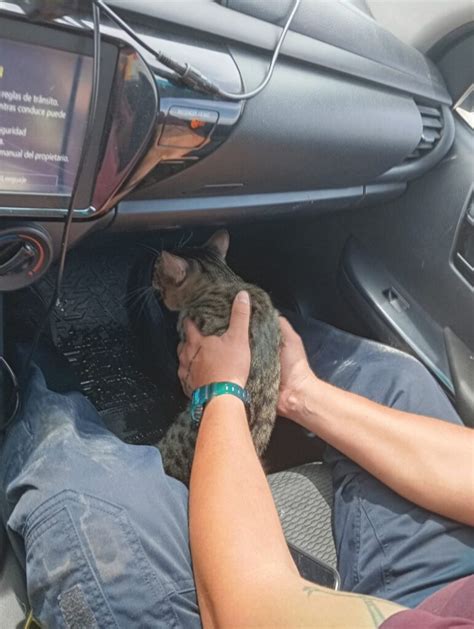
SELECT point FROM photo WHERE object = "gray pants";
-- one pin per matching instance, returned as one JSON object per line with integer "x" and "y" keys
{"x": 103, "y": 532}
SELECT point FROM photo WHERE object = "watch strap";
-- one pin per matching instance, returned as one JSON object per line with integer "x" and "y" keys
{"x": 203, "y": 395}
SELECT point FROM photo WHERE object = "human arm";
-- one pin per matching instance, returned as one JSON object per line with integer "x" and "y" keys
{"x": 244, "y": 573}
{"x": 425, "y": 460}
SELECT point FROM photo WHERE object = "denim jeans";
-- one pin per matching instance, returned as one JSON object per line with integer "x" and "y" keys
{"x": 103, "y": 533}
{"x": 386, "y": 546}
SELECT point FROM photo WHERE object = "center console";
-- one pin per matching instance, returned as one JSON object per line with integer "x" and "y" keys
{"x": 147, "y": 128}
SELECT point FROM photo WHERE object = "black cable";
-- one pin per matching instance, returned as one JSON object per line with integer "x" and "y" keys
{"x": 271, "y": 67}
{"x": 193, "y": 77}
{"x": 166, "y": 74}
{"x": 176, "y": 66}
{"x": 93, "y": 101}
{"x": 15, "y": 394}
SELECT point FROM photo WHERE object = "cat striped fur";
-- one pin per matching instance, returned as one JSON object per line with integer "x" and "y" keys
{"x": 197, "y": 282}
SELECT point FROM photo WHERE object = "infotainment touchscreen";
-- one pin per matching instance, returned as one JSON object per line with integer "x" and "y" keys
{"x": 44, "y": 99}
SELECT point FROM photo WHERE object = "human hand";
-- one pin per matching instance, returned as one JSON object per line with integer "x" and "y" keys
{"x": 296, "y": 374}
{"x": 206, "y": 359}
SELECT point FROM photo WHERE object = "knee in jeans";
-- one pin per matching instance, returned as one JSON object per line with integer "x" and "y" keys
{"x": 411, "y": 378}
{"x": 415, "y": 373}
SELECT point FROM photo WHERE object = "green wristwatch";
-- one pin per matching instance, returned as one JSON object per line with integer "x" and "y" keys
{"x": 202, "y": 396}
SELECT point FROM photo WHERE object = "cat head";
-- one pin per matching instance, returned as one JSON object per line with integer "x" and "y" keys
{"x": 181, "y": 276}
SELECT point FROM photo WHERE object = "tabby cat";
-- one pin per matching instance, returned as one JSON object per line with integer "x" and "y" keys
{"x": 197, "y": 282}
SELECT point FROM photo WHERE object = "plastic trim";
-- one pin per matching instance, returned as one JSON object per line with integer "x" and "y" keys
{"x": 37, "y": 213}
{"x": 410, "y": 323}
{"x": 177, "y": 212}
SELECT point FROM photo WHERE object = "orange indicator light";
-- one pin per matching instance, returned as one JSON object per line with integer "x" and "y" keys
{"x": 196, "y": 124}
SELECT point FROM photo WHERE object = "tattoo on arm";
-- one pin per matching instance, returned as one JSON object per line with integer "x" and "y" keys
{"x": 315, "y": 589}
{"x": 374, "y": 611}
{"x": 311, "y": 590}
{"x": 376, "y": 614}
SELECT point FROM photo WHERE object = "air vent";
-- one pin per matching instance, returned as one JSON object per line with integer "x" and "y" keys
{"x": 432, "y": 120}
{"x": 25, "y": 254}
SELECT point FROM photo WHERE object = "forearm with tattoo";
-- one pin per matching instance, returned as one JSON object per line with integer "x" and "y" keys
{"x": 377, "y": 610}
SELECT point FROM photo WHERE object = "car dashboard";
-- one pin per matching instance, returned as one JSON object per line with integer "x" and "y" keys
{"x": 350, "y": 116}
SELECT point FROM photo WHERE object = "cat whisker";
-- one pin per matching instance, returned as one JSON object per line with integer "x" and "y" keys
{"x": 146, "y": 301}
{"x": 136, "y": 292}
{"x": 140, "y": 289}
{"x": 149, "y": 297}
{"x": 184, "y": 239}
{"x": 137, "y": 307}
{"x": 187, "y": 238}
{"x": 149, "y": 248}
{"x": 133, "y": 298}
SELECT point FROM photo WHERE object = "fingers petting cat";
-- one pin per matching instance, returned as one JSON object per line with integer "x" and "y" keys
{"x": 186, "y": 360}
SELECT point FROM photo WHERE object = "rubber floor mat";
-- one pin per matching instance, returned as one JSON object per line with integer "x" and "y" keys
{"x": 93, "y": 329}
{"x": 304, "y": 497}
{"x": 121, "y": 346}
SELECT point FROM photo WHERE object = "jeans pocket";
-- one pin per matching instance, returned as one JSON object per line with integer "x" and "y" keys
{"x": 184, "y": 603}
{"x": 86, "y": 567}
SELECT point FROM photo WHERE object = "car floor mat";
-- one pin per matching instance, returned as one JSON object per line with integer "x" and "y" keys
{"x": 92, "y": 328}
{"x": 121, "y": 345}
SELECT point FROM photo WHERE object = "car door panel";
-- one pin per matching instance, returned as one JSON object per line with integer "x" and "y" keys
{"x": 424, "y": 240}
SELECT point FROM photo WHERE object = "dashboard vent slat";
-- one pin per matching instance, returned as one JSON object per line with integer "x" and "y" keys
{"x": 432, "y": 122}
{"x": 429, "y": 136}
{"x": 430, "y": 111}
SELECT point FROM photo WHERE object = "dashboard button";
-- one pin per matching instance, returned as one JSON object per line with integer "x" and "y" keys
{"x": 192, "y": 113}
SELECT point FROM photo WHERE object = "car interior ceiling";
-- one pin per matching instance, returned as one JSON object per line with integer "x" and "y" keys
{"x": 346, "y": 187}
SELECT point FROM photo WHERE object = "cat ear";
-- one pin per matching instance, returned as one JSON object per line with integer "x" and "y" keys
{"x": 174, "y": 267}
{"x": 219, "y": 242}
